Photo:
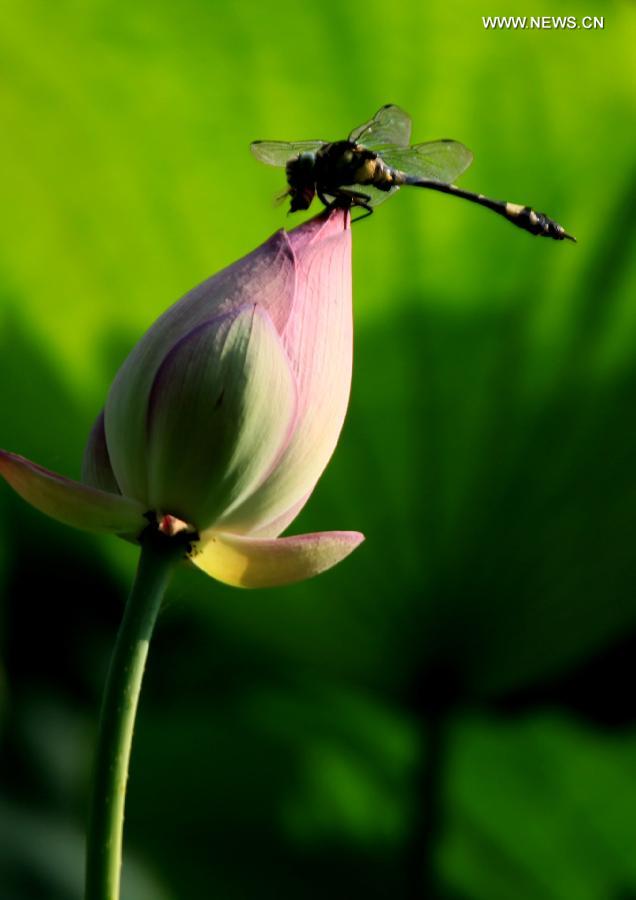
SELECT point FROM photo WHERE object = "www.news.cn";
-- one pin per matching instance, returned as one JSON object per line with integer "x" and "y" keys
{"x": 545, "y": 23}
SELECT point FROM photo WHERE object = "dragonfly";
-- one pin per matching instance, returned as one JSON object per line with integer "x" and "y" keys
{"x": 375, "y": 161}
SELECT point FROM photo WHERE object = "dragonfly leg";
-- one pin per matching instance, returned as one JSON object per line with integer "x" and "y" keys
{"x": 367, "y": 212}
{"x": 347, "y": 198}
{"x": 357, "y": 198}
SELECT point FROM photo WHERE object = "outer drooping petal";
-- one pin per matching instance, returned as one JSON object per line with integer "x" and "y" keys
{"x": 266, "y": 276}
{"x": 96, "y": 468}
{"x": 318, "y": 339}
{"x": 70, "y": 501}
{"x": 220, "y": 412}
{"x": 257, "y": 563}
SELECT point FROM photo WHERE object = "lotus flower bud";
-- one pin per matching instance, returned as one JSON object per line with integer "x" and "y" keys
{"x": 225, "y": 414}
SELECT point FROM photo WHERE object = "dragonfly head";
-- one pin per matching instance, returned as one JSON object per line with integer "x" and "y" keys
{"x": 301, "y": 178}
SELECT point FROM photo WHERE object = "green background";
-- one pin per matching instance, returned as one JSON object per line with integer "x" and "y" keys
{"x": 468, "y": 673}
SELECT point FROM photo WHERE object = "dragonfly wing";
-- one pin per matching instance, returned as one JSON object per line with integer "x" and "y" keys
{"x": 390, "y": 126}
{"x": 377, "y": 196}
{"x": 442, "y": 161}
{"x": 278, "y": 153}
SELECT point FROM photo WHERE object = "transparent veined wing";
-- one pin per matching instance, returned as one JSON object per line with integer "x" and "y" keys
{"x": 377, "y": 196}
{"x": 442, "y": 161}
{"x": 389, "y": 126}
{"x": 278, "y": 153}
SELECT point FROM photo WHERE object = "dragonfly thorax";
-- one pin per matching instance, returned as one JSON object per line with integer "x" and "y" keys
{"x": 333, "y": 166}
{"x": 348, "y": 163}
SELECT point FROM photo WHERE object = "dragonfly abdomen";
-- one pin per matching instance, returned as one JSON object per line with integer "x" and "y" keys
{"x": 525, "y": 217}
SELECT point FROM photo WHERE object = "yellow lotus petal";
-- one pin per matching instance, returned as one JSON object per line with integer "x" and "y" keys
{"x": 253, "y": 563}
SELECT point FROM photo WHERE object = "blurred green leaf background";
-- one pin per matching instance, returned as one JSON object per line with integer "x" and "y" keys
{"x": 467, "y": 675}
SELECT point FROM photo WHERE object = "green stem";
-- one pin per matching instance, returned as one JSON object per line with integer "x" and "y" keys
{"x": 428, "y": 821}
{"x": 159, "y": 556}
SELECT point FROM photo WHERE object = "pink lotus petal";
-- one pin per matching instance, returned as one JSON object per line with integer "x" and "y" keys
{"x": 266, "y": 276}
{"x": 70, "y": 501}
{"x": 319, "y": 228}
{"x": 96, "y": 468}
{"x": 221, "y": 410}
{"x": 254, "y": 563}
{"x": 318, "y": 337}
